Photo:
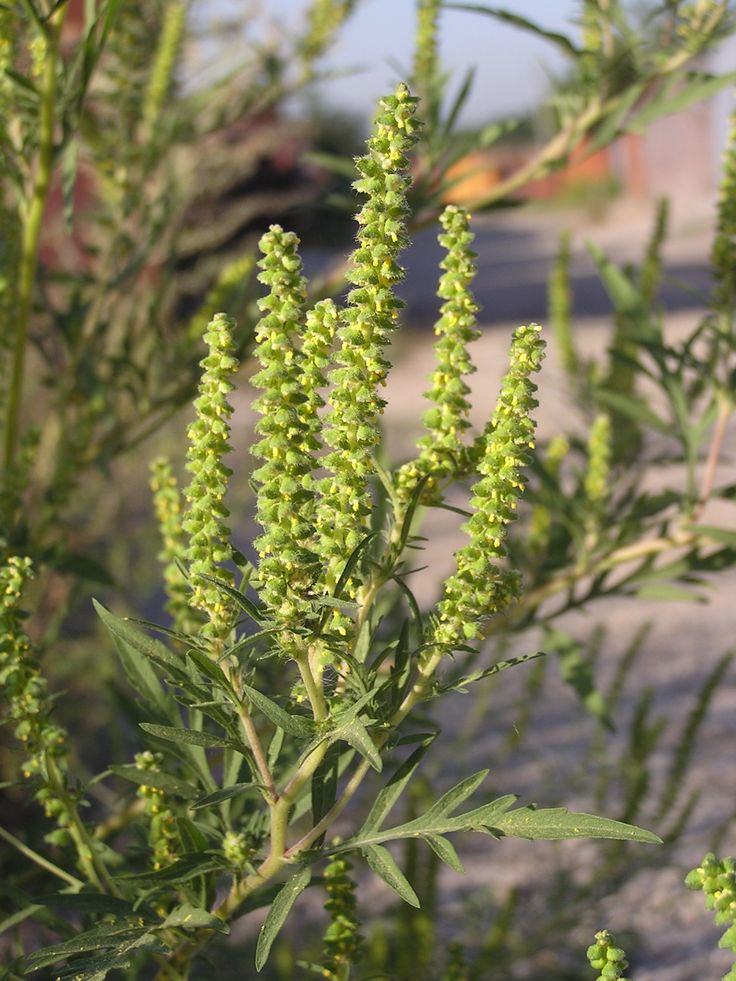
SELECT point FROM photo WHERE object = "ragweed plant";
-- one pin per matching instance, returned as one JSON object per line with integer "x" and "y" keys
{"x": 238, "y": 786}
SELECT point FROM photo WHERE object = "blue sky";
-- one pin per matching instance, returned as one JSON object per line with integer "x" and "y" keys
{"x": 512, "y": 67}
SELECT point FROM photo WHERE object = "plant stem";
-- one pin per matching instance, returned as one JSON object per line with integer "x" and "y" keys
{"x": 251, "y": 734}
{"x": 714, "y": 451}
{"x": 32, "y": 217}
{"x": 314, "y": 691}
{"x": 67, "y": 877}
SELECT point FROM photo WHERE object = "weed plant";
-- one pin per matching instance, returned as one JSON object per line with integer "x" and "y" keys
{"x": 289, "y": 696}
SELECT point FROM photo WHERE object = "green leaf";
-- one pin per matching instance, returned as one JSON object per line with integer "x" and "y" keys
{"x": 220, "y": 795}
{"x": 209, "y": 669}
{"x": 577, "y": 672}
{"x": 294, "y": 725}
{"x": 192, "y": 737}
{"x": 516, "y": 20}
{"x": 280, "y": 908}
{"x": 559, "y": 824}
{"x": 496, "y": 818}
{"x": 188, "y": 917}
{"x": 457, "y": 795}
{"x": 355, "y": 734}
{"x": 150, "y": 778}
{"x": 182, "y": 870}
{"x": 669, "y": 593}
{"x": 614, "y": 122}
{"x": 444, "y": 850}
{"x": 352, "y": 561}
{"x": 725, "y": 535}
{"x": 141, "y": 675}
{"x": 148, "y": 646}
{"x": 255, "y": 612}
{"x": 633, "y": 409}
{"x": 99, "y": 938}
{"x": 624, "y": 294}
{"x": 384, "y": 865}
{"x": 461, "y": 683}
{"x": 393, "y": 790}
{"x": 324, "y": 784}
{"x": 681, "y": 91}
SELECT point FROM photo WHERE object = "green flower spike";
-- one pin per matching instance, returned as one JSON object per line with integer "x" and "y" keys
{"x": 597, "y": 477}
{"x": 206, "y": 519}
{"x": 479, "y": 587}
{"x": 324, "y": 20}
{"x": 342, "y": 941}
{"x": 717, "y": 879}
{"x": 164, "y": 62}
{"x": 167, "y": 505}
{"x": 162, "y": 836}
{"x": 352, "y": 426}
{"x": 427, "y": 79}
{"x": 442, "y": 452}
{"x": 723, "y": 253}
{"x": 288, "y": 425}
{"x": 229, "y": 285}
{"x": 606, "y": 957}
{"x": 29, "y": 703}
{"x": 540, "y": 523}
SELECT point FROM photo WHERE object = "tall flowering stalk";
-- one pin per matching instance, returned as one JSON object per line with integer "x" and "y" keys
{"x": 723, "y": 253}
{"x": 352, "y": 426}
{"x": 285, "y": 498}
{"x": 342, "y": 939}
{"x": 28, "y": 698}
{"x": 427, "y": 78}
{"x": 597, "y": 477}
{"x": 442, "y": 451}
{"x": 167, "y": 503}
{"x": 164, "y": 62}
{"x": 206, "y": 518}
{"x": 479, "y": 587}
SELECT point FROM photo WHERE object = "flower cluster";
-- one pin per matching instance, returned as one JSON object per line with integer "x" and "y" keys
{"x": 29, "y": 703}
{"x": 342, "y": 941}
{"x": 162, "y": 835}
{"x": 352, "y": 426}
{"x": 206, "y": 517}
{"x": 479, "y": 587}
{"x": 442, "y": 452}
{"x": 168, "y": 509}
{"x": 606, "y": 957}
{"x": 289, "y": 382}
{"x": 237, "y": 849}
{"x": 717, "y": 879}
